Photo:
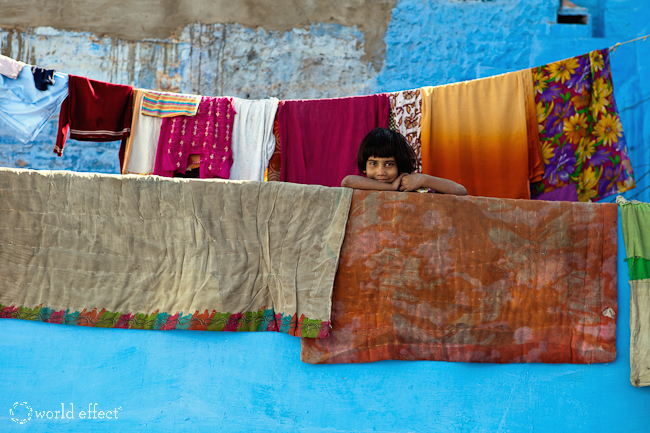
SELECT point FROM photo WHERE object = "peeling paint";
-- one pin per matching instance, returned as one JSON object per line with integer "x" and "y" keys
{"x": 325, "y": 60}
{"x": 152, "y": 19}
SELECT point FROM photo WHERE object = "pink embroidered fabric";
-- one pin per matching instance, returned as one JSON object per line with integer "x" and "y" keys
{"x": 208, "y": 134}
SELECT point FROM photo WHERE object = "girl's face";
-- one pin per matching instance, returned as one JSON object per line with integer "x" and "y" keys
{"x": 381, "y": 169}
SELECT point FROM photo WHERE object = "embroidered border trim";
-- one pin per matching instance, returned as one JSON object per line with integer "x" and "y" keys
{"x": 248, "y": 321}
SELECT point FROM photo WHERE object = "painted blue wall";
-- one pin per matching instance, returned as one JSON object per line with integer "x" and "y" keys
{"x": 189, "y": 380}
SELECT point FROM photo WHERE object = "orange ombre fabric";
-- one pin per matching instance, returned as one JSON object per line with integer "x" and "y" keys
{"x": 483, "y": 135}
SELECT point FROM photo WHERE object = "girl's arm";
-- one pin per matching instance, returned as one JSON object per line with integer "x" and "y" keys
{"x": 361, "y": 182}
{"x": 411, "y": 182}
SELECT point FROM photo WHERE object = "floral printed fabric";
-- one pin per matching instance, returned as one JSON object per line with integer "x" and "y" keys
{"x": 406, "y": 114}
{"x": 580, "y": 129}
{"x": 208, "y": 134}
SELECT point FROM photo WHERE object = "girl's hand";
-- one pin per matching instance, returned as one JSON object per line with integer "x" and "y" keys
{"x": 397, "y": 182}
{"x": 411, "y": 182}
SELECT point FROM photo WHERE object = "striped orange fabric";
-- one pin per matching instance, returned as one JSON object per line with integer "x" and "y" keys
{"x": 160, "y": 104}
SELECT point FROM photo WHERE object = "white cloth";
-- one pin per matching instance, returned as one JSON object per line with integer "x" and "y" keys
{"x": 253, "y": 142}
{"x": 145, "y": 144}
{"x": 9, "y": 67}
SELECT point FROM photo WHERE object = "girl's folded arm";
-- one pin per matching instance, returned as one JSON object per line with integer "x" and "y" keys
{"x": 443, "y": 186}
{"x": 361, "y": 182}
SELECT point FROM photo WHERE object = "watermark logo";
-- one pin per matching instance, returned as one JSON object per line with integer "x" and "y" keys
{"x": 21, "y": 413}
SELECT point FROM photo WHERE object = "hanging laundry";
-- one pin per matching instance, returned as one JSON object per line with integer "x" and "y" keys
{"x": 141, "y": 146}
{"x": 483, "y": 135}
{"x": 563, "y": 193}
{"x": 253, "y": 142}
{"x": 636, "y": 235}
{"x": 43, "y": 77}
{"x": 406, "y": 115}
{"x": 163, "y": 104}
{"x": 24, "y": 110}
{"x": 274, "y": 170}
{"x": 164, "y": 254}
{"x": 208, "y": 134}
{"x": 95, "y": 111}
{"x": 580, "y": 129}
{"x": 9, "y": 67}
{"x": 320, "y": 138}
{"x": 473, "y": 279}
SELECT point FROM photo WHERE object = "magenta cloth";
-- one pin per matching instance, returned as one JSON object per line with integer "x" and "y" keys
{"x": 564, "y": 193}
{"x": 208, "y": 133}
{"x": 320, "y": 138}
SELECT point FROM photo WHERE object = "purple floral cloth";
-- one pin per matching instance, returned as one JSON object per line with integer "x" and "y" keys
{"x": 564, "y": 193}
{"x": 580, "y": 129}
{"x": 208, "y": 134}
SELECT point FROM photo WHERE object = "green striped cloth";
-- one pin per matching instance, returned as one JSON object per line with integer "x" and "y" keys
{"x": 635, "y": 219}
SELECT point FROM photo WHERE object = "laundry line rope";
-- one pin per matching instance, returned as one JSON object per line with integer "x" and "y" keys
{"x": 613, "y": 48}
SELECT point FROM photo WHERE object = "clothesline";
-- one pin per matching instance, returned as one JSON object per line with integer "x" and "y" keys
{"x": 613, "y": 48}
{"x": 586, "y": 169}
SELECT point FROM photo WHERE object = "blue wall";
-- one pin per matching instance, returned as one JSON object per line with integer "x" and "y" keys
{"x": 189, "y": 380}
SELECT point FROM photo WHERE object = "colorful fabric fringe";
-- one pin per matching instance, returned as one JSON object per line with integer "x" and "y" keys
{"x": 580, "y": 129}
{"x": 406, "y": 115}
{"x": 161, "y": 104}
{"x": 472, "y": 279}
{"x": 262, "y": 320}
{"x": 153, "y": 253}
{"x": 635, "y": 219}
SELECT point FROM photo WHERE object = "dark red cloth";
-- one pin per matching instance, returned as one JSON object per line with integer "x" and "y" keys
{"x": 321, "y": 137}
{"x": 94, "y": 111}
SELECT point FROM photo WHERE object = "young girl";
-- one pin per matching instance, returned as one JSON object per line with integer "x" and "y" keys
{"x": 387, "y": 160}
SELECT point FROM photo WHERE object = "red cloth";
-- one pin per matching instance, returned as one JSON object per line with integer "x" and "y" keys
{"x": 94, "y": 111}
{"x": 320, "y": 138}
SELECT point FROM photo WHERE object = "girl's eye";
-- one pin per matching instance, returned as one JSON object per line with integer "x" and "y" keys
{"x": 390, "y": 164}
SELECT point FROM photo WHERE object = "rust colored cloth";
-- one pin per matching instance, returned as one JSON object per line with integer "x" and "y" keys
{"x": 473, "y": 279}
{"x": 483, "y": 134}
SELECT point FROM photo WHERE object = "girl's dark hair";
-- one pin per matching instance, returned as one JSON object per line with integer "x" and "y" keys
{"x": 384, "y": 143}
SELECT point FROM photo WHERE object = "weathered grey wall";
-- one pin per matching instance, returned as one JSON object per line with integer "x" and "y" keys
{"x": 137, "y": 20}
{"x": 323, "y": 60}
